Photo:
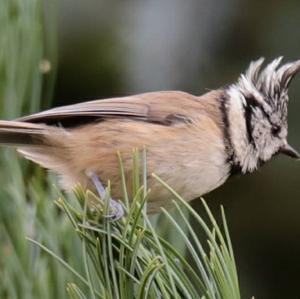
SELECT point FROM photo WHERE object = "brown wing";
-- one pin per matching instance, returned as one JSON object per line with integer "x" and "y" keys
{"x": 160, "y": 107}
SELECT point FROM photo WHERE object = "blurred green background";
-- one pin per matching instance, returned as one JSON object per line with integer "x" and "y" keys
{"x": 115, "y": 48}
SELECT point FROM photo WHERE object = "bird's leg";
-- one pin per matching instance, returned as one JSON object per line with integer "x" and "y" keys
{"x": 116, "y": 208}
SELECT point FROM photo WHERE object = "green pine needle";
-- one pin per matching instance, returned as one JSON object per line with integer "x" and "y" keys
{"x": 129, "y": 259}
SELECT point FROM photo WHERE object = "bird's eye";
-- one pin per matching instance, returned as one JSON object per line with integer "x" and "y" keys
{"x": 275, "y": 130}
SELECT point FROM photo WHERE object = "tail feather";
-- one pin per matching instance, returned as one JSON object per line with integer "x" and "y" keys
{"x": 42, "y": 144}
{"x": 16, "y": 133}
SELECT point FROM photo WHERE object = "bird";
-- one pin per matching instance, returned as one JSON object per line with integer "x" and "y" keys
{"x": 193, "y": 143}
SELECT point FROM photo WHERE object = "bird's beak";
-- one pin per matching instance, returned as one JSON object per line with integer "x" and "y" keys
{"x": 289, "y": 151}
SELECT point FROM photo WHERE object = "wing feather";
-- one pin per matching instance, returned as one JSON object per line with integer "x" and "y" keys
{"x": 153, "y": 107}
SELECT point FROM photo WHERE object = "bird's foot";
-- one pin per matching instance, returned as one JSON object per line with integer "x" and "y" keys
{"x": 115, "y": 208}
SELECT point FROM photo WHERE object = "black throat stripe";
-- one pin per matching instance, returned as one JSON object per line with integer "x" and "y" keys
{"x": 235, "y": 167}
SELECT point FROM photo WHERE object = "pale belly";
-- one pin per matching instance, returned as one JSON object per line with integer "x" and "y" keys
{"x": 190, "y": 178}
{"x": 188, "y": 175}
{"x": 190, "y": 159}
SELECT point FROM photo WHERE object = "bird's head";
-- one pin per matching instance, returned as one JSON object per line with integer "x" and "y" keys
{"x": 257, "y": 112}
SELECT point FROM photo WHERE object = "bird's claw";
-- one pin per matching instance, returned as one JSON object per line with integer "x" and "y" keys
{"x": 115, "y": 208}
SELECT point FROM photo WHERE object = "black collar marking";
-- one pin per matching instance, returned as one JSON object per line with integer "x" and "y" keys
{"x": 235, "y": 167}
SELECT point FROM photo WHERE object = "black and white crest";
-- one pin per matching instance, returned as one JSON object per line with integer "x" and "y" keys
{"x": 257, "y": 110}
{"x": 270, "y": 84}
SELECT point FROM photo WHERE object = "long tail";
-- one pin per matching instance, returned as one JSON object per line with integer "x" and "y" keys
{"x": 40, "y": 143}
